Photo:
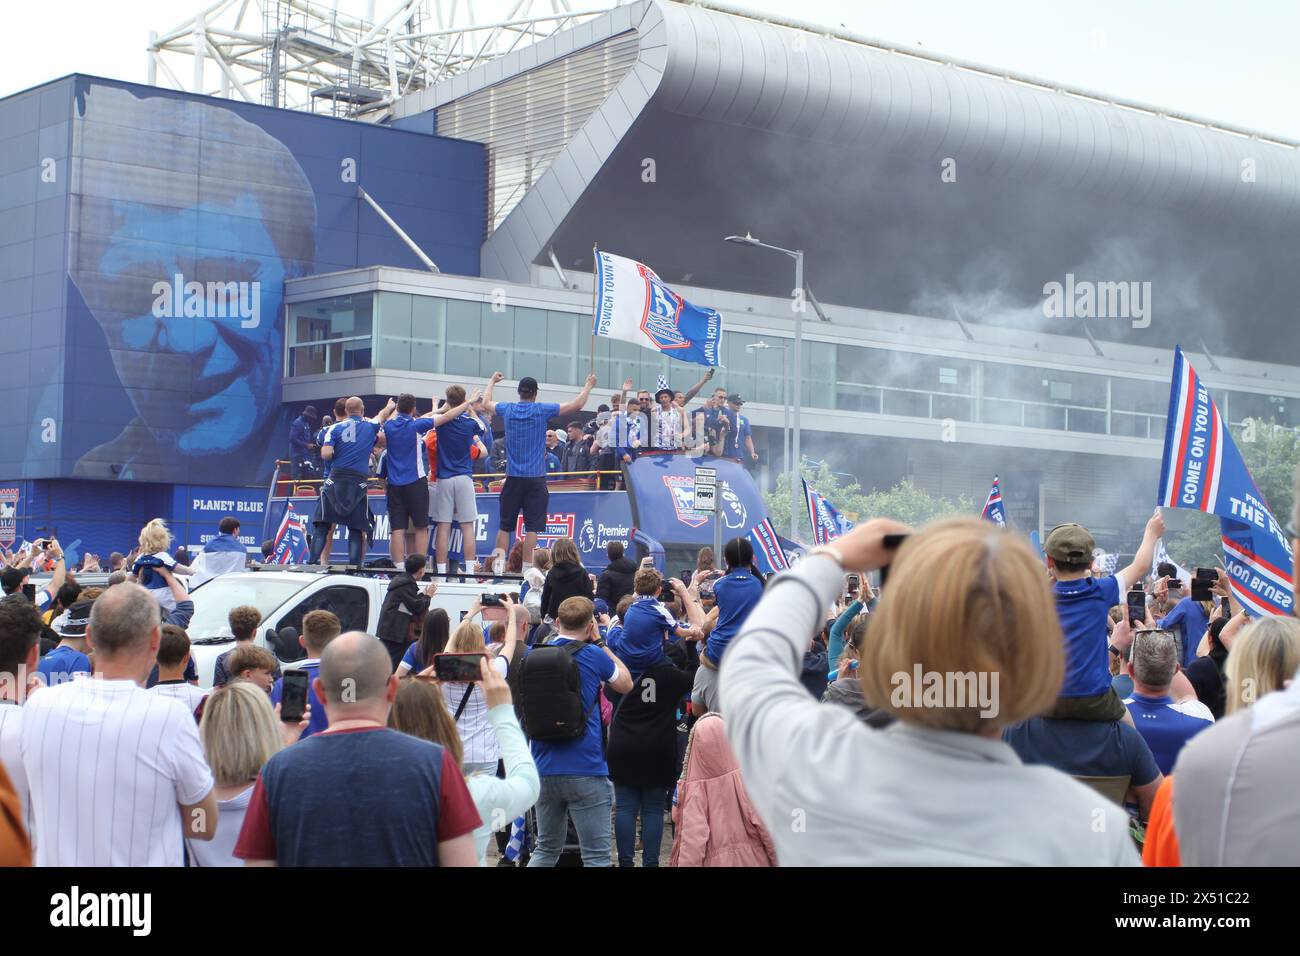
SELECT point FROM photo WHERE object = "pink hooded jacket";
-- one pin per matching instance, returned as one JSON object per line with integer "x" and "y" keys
{"x": 713, "y": 821}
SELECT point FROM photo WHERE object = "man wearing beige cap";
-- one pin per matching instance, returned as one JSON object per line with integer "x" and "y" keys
{"x": 1082, "y": 604}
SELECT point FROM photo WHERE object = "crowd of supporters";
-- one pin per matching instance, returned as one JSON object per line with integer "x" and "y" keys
{"x": 1035, "y": 709}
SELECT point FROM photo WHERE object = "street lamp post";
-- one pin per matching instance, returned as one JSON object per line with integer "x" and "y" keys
{"x": 785, "y": 401}
{"x": 797, "y": 305}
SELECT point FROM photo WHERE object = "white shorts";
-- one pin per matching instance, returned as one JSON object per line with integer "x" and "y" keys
{"x": 453, "y": 500}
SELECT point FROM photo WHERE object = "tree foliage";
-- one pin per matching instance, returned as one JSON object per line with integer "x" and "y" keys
{"x": 903, "y": 502}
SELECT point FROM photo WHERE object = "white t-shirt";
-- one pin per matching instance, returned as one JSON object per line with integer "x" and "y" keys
{"x": 11, "y": 729}
{"x": 476, "y": 734}
{"x": 109, "y": 765}
{"x": 187, "y": 694}
{"x": 220, "y": 850}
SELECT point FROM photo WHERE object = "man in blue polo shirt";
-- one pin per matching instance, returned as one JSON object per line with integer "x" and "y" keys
{"x": 1083, "y": 605}
{"x": 735, "y": 593}
{"x": 343, "y": 494}
{"x": 452, "y": 498}
{"x": 407, "y": 487}
{"x": 574, "y": 775}
{"x": 740, "y": 439}
{"x": 525, "y": 487}
{"x": 1165, "y": 724}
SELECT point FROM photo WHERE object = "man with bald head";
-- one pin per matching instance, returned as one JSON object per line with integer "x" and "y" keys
{"x": 343, "y": 500}
{"x": 117, "y": 775}
{"x": 359, "y": 794}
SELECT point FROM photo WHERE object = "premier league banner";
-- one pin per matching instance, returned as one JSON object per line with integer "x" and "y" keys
{"x": 993, "y": 510}
{"x": 633, "y": 305}
{"x": 827, "y": 523}
{"x": 1204, "y": 471}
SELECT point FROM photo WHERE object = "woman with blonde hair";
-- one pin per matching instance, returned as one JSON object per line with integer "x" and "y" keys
{"x": 240, "y": 731}
{"x": 155, "y": 552}
{"x": 418, "y": 710}
{"x": 954, "y": 665}
{"x": 467, "y": 701}
{"x": 1265, "y": 655}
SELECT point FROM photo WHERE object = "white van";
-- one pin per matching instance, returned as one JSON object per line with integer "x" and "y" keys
{"x": 283, "y": 597}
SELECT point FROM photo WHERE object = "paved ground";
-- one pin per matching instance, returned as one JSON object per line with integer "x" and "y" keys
{"x": 665, "y": 847}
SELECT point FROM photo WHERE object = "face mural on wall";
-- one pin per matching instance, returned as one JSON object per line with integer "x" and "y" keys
{"x": 186, "y": 221}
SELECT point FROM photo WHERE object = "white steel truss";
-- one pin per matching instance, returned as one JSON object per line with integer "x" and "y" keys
{"x": 312, "y": 56}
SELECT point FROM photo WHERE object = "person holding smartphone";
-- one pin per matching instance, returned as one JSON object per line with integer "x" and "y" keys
{"x": 735, "y": 594}
{"x": 466, "y": 700}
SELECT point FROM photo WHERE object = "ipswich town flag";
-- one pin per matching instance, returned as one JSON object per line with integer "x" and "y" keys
{"x": 827, "y": 523}
{"x": 633, "y": 305}
{"x": 768, "y": 553}
{"x": 291, "y": 539}
{"x": 993, "y": 510}
{"x": 1204, "y": 471}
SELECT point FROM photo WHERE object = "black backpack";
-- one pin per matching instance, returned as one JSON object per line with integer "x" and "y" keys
{"x": 549, "y": 700}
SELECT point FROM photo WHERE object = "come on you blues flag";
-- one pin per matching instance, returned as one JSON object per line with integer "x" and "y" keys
{"x": 1204, "y": 471}
{"x": 827, "y": 522}
{"x": 633, "y": 305}
{"x": 993, "y": 510}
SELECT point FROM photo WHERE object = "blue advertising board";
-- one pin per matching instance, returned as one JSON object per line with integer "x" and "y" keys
{"x": 591, "y": 518}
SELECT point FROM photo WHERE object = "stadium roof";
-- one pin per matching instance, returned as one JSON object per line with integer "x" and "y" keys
{"x": 914, "y": 184}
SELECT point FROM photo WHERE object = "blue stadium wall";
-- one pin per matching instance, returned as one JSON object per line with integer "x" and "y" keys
{"x": 109, "y": 188}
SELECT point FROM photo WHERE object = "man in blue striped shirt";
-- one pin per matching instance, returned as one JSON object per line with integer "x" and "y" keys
{"x": 525, "y": 488}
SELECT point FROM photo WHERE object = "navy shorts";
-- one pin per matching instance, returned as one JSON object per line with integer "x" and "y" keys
{"x": 408, "y": 505}
{"x": 529, "y": 495}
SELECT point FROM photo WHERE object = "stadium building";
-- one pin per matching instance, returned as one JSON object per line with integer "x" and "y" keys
{"x": 181, "y": 273}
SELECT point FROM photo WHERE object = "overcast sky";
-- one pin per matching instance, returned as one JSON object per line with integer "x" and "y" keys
{"x": 1235, "y": 63}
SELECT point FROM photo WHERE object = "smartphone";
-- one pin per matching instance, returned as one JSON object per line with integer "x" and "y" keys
{"x": 463, "y": 668}
{"x": 1175, "y": 584}
{"x": 1137, "y": 605}
{"x": 1202, "y": 584}
{"x": 853, "y": 584}
{"x": 666, "y": 592}
{"x": 890, "y": 542}
{"x": 1207, "y": 574}
{"x": 30, "y": 591}
{"x": 293, "y": 700}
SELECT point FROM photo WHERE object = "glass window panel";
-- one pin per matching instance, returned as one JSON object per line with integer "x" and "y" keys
{"x": 1130, "y": 395}
{"x": 529, "y": 343}
{"x": 354, "y": 355}
{"x": 464, "y": 325}
{"x": 770, "y": 371}
{"x": 953, "y": 406}
{"x": 1000, "y": 412}
{"x": 1086, "y": 420}
{"x": 1263, "y": 408}
{"x": 857, "y": 398}
{"x": 497, "y": 334}
{"x": 1127, "y": 424}
{"x": 393, "y": 349}
{"x": 335, "y": 318}
{"x": 428, "y": 318}
{"x": 307, "y": 360}
{"x": 819, "y": 374}
{"x": 914, "y": 404}
{"x": 1044, "y": 416}
{"x": 562, "y": 352}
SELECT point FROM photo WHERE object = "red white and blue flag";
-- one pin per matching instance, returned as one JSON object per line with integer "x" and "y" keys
{"x": 291, "y": 538}
{"x": 827, "y": 522}
{"x": 993, "y": 510}
{"x": 768, "y": 553}
{"x": 1204, "y": 471}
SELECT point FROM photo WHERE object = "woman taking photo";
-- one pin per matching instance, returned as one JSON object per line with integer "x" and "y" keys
{"x": 467, "y": 702}
{"x": 938, "y": 786}
{"x": 418, "y": 710}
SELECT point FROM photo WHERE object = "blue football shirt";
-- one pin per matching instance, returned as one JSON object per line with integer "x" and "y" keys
{"x": 1082, "y": 607}
{"x": 352, "y": 439}
{"x": 455, "y": 439}
{"x": 406, "y": 456}
{"x": 526, "y": 436}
